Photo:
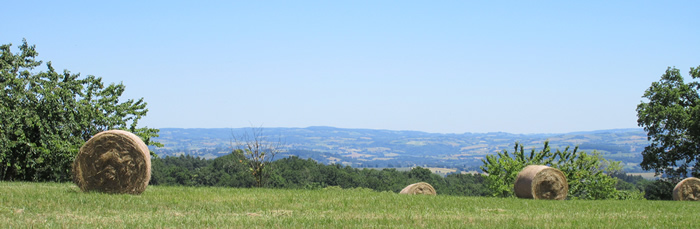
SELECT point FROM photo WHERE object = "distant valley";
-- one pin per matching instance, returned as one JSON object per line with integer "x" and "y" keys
{"x": 368, "y": 148}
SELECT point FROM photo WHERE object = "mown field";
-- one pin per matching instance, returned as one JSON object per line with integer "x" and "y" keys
{"x": 62, "y": 205}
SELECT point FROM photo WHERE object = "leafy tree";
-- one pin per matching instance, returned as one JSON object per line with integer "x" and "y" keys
{"x": 629, "y": 182}
{"x": 46, "y": 116}
{"x": 584, "y": 172}
{"x": 372, "y": 180}
{"x": 231, "y": 171}
{"x": 661, "y": 189}
{"x": 294, "y": 172}
{"x": 671, "y": 118}
{"x": 419, "y": 174}
{"x": 259, "y": 151}
{"x": 465, "y": 185}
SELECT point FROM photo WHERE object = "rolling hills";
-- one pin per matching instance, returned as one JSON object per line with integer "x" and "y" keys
{"x": 389, "y": 148}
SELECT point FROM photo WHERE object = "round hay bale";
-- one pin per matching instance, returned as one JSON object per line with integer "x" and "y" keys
{"x": 420, "y": 188}
{"x": 541, "y": 182}
{"x": 687, "y": 189}
{"x": 113, "y": 161}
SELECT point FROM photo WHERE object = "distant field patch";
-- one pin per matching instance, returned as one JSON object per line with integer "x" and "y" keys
{"x": 473, "y": 172}
{"x": 416, "y": 143}
{"x": 382, "y": 158}
{"x": 648, "y": 176}
{"x": 356, "y": 155}
{"x": 442, "y": 171}
{"x": 378, "y": 149}
{"x": 474, "y": 147}
{"x": 333, "y": 159}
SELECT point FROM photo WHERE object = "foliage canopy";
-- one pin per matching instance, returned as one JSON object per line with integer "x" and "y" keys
{"x": 46, "y": 116}
{"x": 671, "y": 118}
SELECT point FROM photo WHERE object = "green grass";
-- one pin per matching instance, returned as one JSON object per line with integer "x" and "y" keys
{"x": 24, "y": 205}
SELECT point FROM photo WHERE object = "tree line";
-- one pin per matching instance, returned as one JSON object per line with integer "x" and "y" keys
{"x": 232, "y": 170}
{"x": 292, "y": 172}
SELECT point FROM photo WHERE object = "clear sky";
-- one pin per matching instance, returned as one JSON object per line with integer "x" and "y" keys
{"x": 434, "y": 66}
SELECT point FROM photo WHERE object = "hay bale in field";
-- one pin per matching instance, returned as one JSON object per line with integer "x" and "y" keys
{"x": 113, "y": 161}
{"x": 541, "y": 182}
{"x": 687, "y": 189}
{"x": 419, "y": 188}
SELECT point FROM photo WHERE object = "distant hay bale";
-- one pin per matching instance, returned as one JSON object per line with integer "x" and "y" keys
{"x": 420, "y": 188}
{"x": 687, "y": 189}
{"x": 113, "y": 161}
{"x": 541, "y": 182}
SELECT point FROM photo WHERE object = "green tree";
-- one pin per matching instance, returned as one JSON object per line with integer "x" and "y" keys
{"x": 419, "y": 174}
{"x": 297, "y": 173}
{"x": 465, "y": 185}
{"x": 232, "y": 170}
{"x": 46, "y": 116}
{"x": 659, "y": 190}
{"x": 584, "y": 172}
{"x": 671, "y": 117}
{"x": 260, "y": 152}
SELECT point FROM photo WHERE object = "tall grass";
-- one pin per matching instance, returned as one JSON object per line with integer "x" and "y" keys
{"x": 25, "y": 205}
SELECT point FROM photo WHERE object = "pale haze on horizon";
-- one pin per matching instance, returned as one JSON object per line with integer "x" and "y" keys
{"x": 441, "y": 67}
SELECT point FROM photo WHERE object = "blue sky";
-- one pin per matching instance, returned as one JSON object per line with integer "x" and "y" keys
{"x": 443, "y": 67}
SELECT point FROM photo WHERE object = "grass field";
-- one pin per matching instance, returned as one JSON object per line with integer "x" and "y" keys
{"x": 62, "y": 205}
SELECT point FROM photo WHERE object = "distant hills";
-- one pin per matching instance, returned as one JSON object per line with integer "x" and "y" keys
{"x": 388, "y": 148}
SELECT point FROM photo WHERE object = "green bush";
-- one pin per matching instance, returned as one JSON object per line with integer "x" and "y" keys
{"x": 584, "y": 172}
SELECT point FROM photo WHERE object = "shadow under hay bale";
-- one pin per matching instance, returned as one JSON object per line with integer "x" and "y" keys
{"x": 420, "y": 188}
{"x": 113, "y": 161}
{"x": 687, "y": 189}
{"x": 541, "y": 182}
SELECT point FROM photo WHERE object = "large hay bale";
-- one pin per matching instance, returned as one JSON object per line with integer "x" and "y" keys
{"x": 541, "y": 182}
{"x": 113, "y": 161}
{"x": 687, "y": 189}
{"x": 419, "y": 188}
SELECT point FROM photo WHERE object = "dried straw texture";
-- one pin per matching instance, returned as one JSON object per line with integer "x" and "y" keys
{"x": 687, "y": 189}
{"x": 113, "y": 161}
{"x": 419, "y": 188}
{"x": 541, "y": 182}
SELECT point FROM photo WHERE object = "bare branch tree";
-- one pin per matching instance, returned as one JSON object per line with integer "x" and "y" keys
{"x": 259, "y": 151}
